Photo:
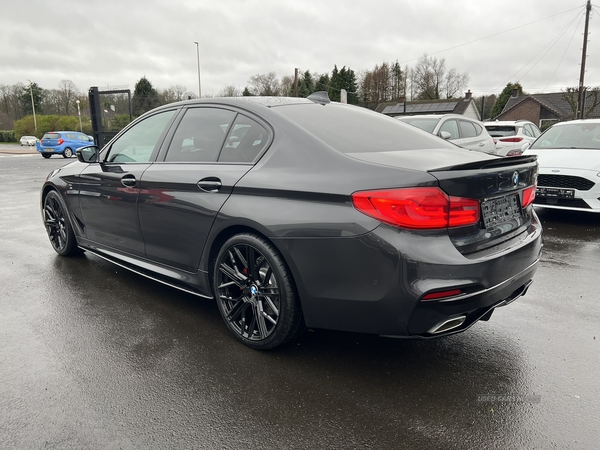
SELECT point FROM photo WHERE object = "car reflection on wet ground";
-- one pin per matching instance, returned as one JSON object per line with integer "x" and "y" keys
{"x": 94, "y": 356}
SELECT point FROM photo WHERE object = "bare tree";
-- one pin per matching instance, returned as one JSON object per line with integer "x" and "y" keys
{"x": 230, "y": 91}
{"x": 176, "y": 93}
{"x": 264, "y": 84}
{"x": 67, "y": 94}
{"x": 432, "y": 81}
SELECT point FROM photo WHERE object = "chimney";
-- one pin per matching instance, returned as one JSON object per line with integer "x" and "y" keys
{"x": 468, "y": 95}
{"x": 515, "y": 92}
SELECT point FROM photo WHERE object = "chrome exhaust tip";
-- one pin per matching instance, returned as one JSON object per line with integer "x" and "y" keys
{"x": 448, "y": 325}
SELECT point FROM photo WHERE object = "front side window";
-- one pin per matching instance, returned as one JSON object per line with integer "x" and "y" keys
{"x": 200, "y": 135}
{"x": 140, "y": 141}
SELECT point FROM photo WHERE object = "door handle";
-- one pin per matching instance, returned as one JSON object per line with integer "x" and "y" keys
{"x": 128, "y": 180}
{"x": 210, "y": 184}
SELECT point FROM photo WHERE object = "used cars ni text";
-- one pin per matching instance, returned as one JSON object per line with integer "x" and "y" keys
{"x": 295, "y": 213}
{"x": 569, "y": 159}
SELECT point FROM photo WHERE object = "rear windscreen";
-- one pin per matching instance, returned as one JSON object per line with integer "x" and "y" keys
{"x": 351, "y": 129}
{"x": 51, "y": 136}
{"x": 501, "y": 130}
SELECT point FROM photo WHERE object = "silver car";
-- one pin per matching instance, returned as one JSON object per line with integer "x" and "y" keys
{"x": 28, "y": 140}
{"x": 460, "y": 130}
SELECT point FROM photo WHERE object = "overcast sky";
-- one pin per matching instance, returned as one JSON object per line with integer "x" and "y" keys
{"x": 115, "y": 43}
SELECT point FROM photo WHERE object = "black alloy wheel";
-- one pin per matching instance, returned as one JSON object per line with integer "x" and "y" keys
{"x": 255, "y": 293}
{"x": 58, "y": 225}
{"x": 67, "y": 153}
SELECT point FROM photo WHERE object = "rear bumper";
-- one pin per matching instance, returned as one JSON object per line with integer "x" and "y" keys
{"x": 374, "y": 283}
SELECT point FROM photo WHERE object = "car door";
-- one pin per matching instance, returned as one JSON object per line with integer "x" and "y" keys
{"x": 210, "y": 150}
{"x": 109, "y": 190}
{"x": 473, "y": 137}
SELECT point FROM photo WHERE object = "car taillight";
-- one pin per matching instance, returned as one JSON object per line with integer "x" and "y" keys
{"x": 511, "y": 139}
{"x": 529, "y": 195}
{"x": 60, "y": 141}
{"x": 514, "y": 153}
{"x": 417, "y": 208}
{"x": 442, "y": 294}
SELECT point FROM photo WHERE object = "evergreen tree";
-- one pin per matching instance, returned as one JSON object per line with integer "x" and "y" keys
{"x": 343, "y": 79}
{"x": 246, "y": 92}
{"x": 38, "y": 98}
{"x": 503, "y": 98}
{"x": 145, "y": 97}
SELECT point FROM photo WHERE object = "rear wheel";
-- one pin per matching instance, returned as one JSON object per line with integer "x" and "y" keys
{"x": 58, "y": 225}
{"x": 255, "y": 292}
{"x": 46, "y": 155}
{"x": 67, "y": 153}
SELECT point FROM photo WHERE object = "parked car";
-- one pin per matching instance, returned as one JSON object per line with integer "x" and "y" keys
{"x": 295, "y": 212}
{"x": 63, "y": 143}
{"x": 569, "y": 158}
{"x": 511, "y": 135}
{"x": 28, "y": 140}
{"x": 460, "y": 130}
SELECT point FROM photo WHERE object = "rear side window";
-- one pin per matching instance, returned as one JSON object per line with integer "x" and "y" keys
{"x": 245, "y": 141}
{"x": 200, "y": 135}
{"x": 70, "y": 136}
{"x": 351, "y": 129}
{"x": 467, "y": 129}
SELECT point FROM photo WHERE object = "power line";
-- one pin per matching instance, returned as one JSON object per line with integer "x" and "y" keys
{"x": 563, "y": 56}
{"x": 553, "y": 42}
{"x": 495, "y": 34}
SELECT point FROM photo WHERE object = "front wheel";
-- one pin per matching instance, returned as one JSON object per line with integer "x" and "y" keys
{"x": 255, "y": 292}
{"x": 58, "y": 225}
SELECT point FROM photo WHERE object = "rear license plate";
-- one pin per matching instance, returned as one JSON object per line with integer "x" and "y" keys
{"x": 555, "y": 192}
{"x": 48, "y": 150}
{"x": 500, "y": 210}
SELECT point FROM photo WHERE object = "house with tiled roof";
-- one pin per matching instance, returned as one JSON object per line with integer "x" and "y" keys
{"x": 546, "y": 109}
{"x": 463, "y": 106}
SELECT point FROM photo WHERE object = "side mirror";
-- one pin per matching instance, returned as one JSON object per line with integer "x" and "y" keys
{"x": 445, "y": 135}
{"x": 89, "y": 154}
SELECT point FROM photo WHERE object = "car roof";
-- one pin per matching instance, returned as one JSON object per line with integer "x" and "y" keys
{"x": 434, "y": 116}
{"x": 576, "y": 122}
{"x": 506, "y": 122}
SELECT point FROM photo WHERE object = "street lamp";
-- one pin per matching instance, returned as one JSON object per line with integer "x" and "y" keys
{"x": 79, "y": 114}
{"x": 199, "y": 85}
{"x": 32, "y": 105}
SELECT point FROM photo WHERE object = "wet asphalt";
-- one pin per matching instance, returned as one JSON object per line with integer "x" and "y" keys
{"x": 93, "y": 356}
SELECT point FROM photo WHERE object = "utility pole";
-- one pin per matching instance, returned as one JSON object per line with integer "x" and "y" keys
{"x": 296, "y": 82}
{"x": 579, "y": 112}
{"x": 198, "y": 55}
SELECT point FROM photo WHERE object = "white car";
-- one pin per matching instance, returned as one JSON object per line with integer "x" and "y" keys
{"x": 460, "y": 130}
{"x": 28, "y": 140}
{"x": 569, "y": 166}
{"x": 511, "y": 135}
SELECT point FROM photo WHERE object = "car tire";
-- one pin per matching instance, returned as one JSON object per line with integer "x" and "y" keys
{"x": 58, "y": 225}
{"x": 46, "y": 155}
{"x": 67, "y": 153}
{"x": 255, "y": 292}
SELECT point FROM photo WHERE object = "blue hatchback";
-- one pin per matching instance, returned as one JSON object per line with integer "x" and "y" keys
{"x": 62, "y": 143}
